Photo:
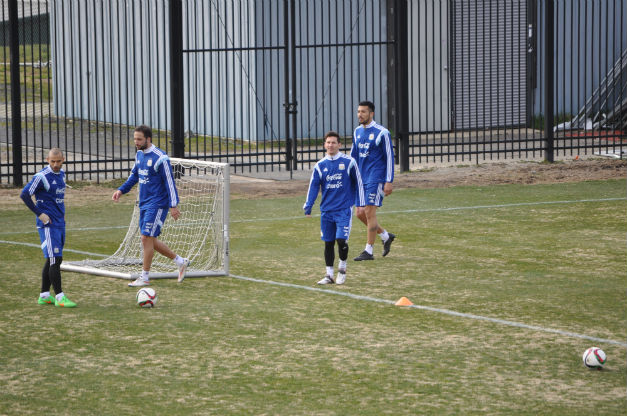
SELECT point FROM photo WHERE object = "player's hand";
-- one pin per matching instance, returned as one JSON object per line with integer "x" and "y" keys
{"x": 388, "y": 188}
{"x": 308, "y": 215}
{"x": 44, "y": 218}
{"x": 116, "y": 195}
{"x": 176, "y": 213}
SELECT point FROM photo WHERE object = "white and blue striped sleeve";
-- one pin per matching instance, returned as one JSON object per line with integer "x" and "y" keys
{"x": 314, "y": 188}
{"x": 389, "y": 157}
{"x": 168, "y": 179}
{"x": 360, "y": 198}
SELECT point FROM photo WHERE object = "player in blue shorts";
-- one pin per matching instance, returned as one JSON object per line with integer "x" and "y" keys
{"x": 373, "y": 151}
{"x": 48, "y": 187}
{"x": 157, "y": 195}
{"x": 337, "y": 177}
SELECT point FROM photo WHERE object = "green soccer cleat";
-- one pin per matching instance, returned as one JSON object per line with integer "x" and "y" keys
{"x": 46, "y": 301}
{"x": 64, "y": 303}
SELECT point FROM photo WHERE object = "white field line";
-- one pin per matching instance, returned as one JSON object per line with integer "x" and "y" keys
{"x": 437, "y": 310}
{"x": 19, "y": 243}
{"x": 371, "y": 299}
{"x": 405, "y": 211}
{"x": 385, "y": 301}
{"x": 474, "y": 207}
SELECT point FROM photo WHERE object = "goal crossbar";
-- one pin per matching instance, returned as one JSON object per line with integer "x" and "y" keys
{"x": 201, "y": 233}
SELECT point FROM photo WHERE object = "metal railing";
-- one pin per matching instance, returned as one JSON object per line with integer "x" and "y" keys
{"x": 257, "y": 83}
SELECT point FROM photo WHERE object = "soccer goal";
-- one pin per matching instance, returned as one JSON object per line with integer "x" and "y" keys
{"x": 201, "y": 234}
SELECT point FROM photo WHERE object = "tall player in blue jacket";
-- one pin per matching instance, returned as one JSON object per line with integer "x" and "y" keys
{"x": 373, "y": 151}
{"x": 157, "y": 194}
{"x": 337, "y": 176}
{"x": 48, "y": 188}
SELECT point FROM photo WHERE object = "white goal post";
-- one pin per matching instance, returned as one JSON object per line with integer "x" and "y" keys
{"x": 201, "y": 234}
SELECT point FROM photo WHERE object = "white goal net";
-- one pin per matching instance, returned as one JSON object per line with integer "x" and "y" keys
{"x": 201, "y": 233}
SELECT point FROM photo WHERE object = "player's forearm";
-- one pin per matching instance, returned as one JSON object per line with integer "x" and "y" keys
{"x": 28, "y": 201}
{"x": 128, "y": 185}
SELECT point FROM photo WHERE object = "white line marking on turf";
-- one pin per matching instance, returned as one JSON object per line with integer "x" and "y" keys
{"x": 390, "y": 302}
{"x": 18, "y": 243}
{"x": 437, "y": 310}
{"x": 408, "y": 211}
{"x": 403, "y": 211}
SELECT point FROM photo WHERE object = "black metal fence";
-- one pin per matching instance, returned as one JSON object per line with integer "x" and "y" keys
{"x": 257, "y": 83}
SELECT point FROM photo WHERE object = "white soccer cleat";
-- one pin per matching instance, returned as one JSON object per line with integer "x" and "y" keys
{"x": 139, "y": 282}
{"x": 341, "y": 277}
{"x": 182, "y": 269}
{"x": 326, "y": 280}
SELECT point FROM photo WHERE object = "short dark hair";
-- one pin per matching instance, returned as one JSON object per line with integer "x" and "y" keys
{"x": 332, "y": 134}
{"x": 368, "y": 104}
{"x": 145, "y": 130}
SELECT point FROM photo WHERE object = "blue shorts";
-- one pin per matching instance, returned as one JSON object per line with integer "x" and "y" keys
{"x": 151, "y": 221}
{"x": 336, "y": 224}
{"x": 373, "y": 192}
{"x": 52, "y": 241}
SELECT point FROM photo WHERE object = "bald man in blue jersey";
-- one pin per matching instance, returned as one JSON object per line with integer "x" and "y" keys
{"x": 337, "y": 177}
{"x": 157, "y": 195}
{"x": 373, "y": 151}
{"x": 48, "y": 188}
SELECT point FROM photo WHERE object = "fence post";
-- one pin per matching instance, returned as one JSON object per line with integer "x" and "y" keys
{"x": 398, "y": 95}
{"x": 16, "y": 104}
{"x": 176, "y": 78}
{"x": 549, "y": 59}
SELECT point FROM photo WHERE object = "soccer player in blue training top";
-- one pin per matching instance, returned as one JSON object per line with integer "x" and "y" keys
{"x": 338, "y": 177}
{"x": 48, "y": 187}
{"x": 372, "y": 149}
{"x": 157, "y": 194}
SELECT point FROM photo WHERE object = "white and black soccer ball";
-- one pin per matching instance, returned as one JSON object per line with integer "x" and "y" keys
{"x": 146, "y": 297}
{"x": 594, "y": 357}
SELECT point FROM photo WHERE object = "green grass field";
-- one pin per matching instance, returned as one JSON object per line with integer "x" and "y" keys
{"x": 267, "y": 340}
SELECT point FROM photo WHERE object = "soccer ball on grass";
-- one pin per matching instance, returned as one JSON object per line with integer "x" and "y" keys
{"x": 594, "y": 357}
{"x": 146, "y": 297}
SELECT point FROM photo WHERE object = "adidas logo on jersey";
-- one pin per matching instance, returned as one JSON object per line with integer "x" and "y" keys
{"x": 54, "y": 182}
{"x": 325, "y": 170}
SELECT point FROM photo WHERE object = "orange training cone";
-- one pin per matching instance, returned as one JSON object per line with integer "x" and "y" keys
{"x": 403, "y": 302}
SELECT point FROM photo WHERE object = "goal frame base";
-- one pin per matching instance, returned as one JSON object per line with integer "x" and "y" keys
{"x": 132, "y": 276}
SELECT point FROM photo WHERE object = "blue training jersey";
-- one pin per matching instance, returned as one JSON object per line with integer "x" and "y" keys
{"x": 340, "y": 181}
{"x": 49, "y": 190}
{"x": 373, "y": 151}
{"x": 153, "y": 171}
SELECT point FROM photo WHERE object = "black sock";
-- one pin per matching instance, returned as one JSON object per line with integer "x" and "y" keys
{"x": 45, "y": 277}
{"x": 55, "y": 274}
{"x": 329, "y": 253}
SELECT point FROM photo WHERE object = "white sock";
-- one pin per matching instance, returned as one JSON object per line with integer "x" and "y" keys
{"x": 44, "y": 294}
{"x": 330, "y": 271}
{"x": 59, "y": 296}
{"x": 145, "y": 275}
{"x": 384, "y": 236}
{"x": 178, "y": 260}
{"x": 342, "y": 265}
{"x": 369, "y": 248}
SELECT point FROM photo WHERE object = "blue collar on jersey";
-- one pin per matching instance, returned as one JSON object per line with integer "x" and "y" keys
{"x": 336, "y": 157}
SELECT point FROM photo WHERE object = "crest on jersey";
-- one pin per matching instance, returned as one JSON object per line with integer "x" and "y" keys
{"x": 149, "y": 162}
{"x": 341, "y": 167}
{"x": 371, "y": 137}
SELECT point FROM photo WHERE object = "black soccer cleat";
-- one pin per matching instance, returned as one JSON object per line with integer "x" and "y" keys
{"x": 388, "y": 244}
{"x": 364, "y": 256}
